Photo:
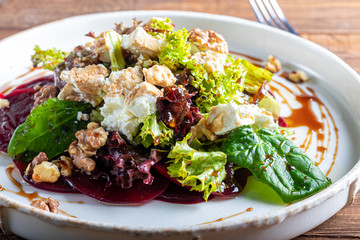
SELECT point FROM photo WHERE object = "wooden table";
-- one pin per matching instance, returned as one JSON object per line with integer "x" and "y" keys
{"x": 334, "y": 24}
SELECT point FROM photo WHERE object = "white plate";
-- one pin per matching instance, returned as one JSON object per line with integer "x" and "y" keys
{"x": 335, "y": 83}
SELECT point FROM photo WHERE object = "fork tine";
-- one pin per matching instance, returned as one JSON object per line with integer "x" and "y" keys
{"x": 257, "y": 12}
{"x": 264, "y": 12}
{"x": 273, "y": 14}
{"x": 281, "y": 15}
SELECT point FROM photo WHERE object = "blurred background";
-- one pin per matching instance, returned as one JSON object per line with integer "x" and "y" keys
{"x": 334, "y": 24}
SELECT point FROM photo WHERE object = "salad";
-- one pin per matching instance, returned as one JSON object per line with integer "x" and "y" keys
{"x": 149, "y": 112}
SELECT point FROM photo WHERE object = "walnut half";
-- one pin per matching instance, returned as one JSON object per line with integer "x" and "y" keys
{"x": 208, "y": 39}
{"x": 88, "y": 141}
{"x": 50, "y": 205}
{"x": 41, "y": 170}
{"x": 273, "y": 64}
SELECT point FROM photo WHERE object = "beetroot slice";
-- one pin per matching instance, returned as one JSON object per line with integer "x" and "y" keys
{"x": 138, "y": 193}
{"x": 177, "y": 194}
{"x": 42, "y": 81}
{"x": 282, "y": 122}
{"x": 21, "y": 102}
{"x": 61, "y": 186}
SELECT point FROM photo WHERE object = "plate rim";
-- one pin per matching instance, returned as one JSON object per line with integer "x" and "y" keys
{"x": 267, "y": 219}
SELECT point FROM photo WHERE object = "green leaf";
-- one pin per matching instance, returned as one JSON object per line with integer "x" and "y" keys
{"x": 49, "y": 128}
{"x": 113, "y": 44}
{"x": 176, "y": 49}
{"x": 276, "y": 161}
{"x": 49, "y": 58}
{"x": 217, "y": 87}
{"x": 162, "y": 26}
{"x": 202, "y": 171}
{"x": 154, "y": 132}
{"x": 255, "y": 76}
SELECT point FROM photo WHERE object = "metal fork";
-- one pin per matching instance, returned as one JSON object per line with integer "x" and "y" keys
{"x": 269, "y": 12}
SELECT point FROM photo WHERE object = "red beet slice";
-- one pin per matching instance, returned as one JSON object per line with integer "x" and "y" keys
{"x": 21, "y": 102}
{"x": 282, "y": 122}
{"x": 161, "y": 168}
{"x": 61, "y": 185}
{"x": 177, "y": 194}
{"x": 138, "y": 193}
{"x": 42, "y": 81}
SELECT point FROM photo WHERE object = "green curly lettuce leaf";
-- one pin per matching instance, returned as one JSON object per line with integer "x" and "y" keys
{"x": 154, "y": 132}
{"x": 50, "y": 133}
{"x": 48, "y": 58}
{"x": 276, "y": 161}
{"x": 202, "y": 171}
{"x": 217, "y": 87}
{"x": 213, "y": 87}
{"x": 113, "y": 44}
{"x": 176, "y": 50}
{"x": 161, "y": 27}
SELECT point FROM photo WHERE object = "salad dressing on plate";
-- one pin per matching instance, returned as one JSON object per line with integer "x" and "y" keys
{"x": 321, "y": 130}
{"x": 224, "y": 218}
{"x": 30, "y": 196}
{"x": 306, "y": 117}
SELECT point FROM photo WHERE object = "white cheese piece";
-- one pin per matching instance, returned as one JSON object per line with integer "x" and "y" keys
{"x": 212, "y": 61}
{"x": 124, "y": 81}
{"x": 143, "y": 106}
{"x": 126, "y": 118}
{"x": 140, "y": 42}
{"x": 224, "y": 118}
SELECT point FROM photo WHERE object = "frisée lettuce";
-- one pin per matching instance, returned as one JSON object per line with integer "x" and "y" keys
{"x": 202, "y": 171}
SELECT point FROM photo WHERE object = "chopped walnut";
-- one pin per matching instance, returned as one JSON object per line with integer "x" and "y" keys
{"x": 46, "y": 172}
{"x": 40, "y": 204}
{"x": 140, "y": 90}
{"x": 65, "y": 164}
{"x": 50, "y": 205}
{"x": 273, "y": 64}
{"x": 4, "y": 103}
{"x": 208, "y": 39}
{"x": 159, "y": 75}
{"x": 41, "y": 157}
{"x": 54, "y": 205}
{"x": 298, "y": 76}
{"x": 45, "y": 93}
{"x": 88, "y": 141}
{"x": 124, "y": 81}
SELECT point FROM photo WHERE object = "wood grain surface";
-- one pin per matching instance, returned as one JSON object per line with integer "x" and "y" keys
{"x": 334, "y": 24}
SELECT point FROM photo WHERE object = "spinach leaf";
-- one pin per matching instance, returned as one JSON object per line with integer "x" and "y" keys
{"x": 49, "y": 128}
{"x": 276, "y": 161}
